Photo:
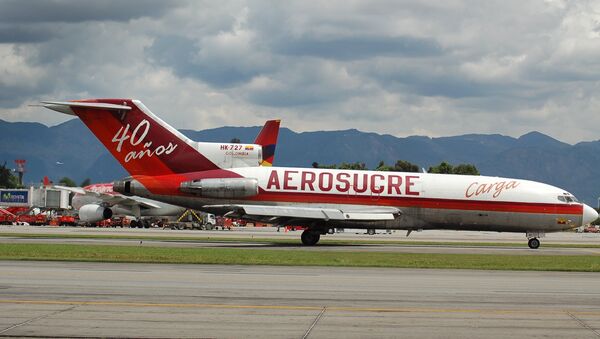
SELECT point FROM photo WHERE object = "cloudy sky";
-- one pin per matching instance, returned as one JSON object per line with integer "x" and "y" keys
{"x": 435, "y": 68}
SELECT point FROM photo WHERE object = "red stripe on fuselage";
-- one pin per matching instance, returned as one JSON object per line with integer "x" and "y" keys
{"x": 429, "y": 203}
{"x": 169, "y": 185}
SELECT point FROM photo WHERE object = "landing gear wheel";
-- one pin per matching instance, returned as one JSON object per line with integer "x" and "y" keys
{"x": 533, "y": 243}
{"x": 310, "y": 238}
{"x": 371, "y": 231}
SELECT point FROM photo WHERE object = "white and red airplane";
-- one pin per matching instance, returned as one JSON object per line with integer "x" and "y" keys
{"x": 167, "y": 166}
{"x": 99, "y": 201}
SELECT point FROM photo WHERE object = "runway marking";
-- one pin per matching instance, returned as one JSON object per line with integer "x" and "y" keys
{"x": 583, "y": 324}
{"x": 314, "y": 323}
{"x": 301, "y": 307}
{"x": 37, "y": 318}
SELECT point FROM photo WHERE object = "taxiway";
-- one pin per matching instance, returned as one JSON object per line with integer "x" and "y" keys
{"x": 64, "y": 299}
{"x": 414, "y": 244}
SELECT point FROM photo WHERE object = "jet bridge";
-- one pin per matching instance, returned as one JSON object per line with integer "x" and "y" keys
{"x": 40, "y": 197}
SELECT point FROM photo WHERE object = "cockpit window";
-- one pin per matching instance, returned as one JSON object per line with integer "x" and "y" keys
{"x": 568, "y": 198}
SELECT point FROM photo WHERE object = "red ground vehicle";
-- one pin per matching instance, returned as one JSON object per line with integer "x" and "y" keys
{"x": 224, "y": 222}
{"x": 18, "y": 210}
{"x": 120, "y": 222}
{"x": 103, "y": 223}
{"x": 7, "y": 218}
{"x": 37, "y": 219}
{"x": 295, "y": 228}
{"x": 66, "y": 220}
{"x": 239, "y": 222}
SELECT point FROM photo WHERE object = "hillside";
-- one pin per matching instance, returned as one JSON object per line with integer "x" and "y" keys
{"x": 69, "y": 149}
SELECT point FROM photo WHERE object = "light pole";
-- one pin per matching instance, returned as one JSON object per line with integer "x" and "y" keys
{"x": 599, "y": 203}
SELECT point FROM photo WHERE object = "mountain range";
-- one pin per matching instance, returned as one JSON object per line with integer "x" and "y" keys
{"x": 70, "y": 149}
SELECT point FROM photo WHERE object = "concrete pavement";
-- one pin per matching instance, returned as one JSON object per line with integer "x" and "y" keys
{"x": 155, "y": 300}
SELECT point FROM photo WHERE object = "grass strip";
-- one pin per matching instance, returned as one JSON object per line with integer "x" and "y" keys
{"x": 228, "y": 256}
{"x": 294, "y": 241}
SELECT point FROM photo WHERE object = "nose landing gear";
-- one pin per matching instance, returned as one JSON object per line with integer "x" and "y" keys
{"x": 533, "y": 242}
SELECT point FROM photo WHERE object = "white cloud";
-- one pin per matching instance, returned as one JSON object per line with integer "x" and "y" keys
{"x": 410, "y": 67}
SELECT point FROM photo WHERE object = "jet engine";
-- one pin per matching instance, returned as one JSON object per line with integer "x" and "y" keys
{"x": 222, "y": 187}
{"x": 94, "y": 213}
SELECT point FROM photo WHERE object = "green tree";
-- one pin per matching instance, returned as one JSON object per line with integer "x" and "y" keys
{"x": 400, "y": 166}
{"x": 442, "y": 168}
{"x": 446, "y": 168}
{"x": 383, "y": 167}
{"x": 465, "y": 169}
{"x": 7, "y": 178}
{"x": 317, "y": 165}
{"x": 65, "y": 181}
{"x": 405, "y": 166}
{"x": 353, "y": 166}
{"x": 86, "y": 182}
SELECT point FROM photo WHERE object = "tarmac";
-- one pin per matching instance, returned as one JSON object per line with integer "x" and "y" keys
{"x": 271, "y": 232}
{"x": 81, "y": 300}
{"x": 413, "y": 244}
{"x": 70, "y": 299}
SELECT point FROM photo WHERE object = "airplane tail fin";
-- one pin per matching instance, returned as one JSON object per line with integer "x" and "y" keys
{"x": 267, "y": 138}
{"x": 141, "y": 142}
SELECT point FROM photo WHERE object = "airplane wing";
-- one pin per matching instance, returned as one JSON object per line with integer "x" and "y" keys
{"x": 355, "y": 213}
{"x": 111, "y": 199}
{"x": 131, "y": 201}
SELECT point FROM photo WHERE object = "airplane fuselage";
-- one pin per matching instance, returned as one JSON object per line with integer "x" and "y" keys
{"x": 167, "y": 166}
{"x": 426, "y": 201}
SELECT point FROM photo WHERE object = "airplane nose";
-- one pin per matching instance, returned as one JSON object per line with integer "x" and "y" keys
{"x": 589, "y": 214}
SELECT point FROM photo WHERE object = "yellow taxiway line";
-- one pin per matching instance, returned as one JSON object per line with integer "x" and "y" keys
{"x": 303, "y": 308}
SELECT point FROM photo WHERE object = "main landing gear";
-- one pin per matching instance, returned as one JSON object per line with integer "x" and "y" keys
{"x": 533, "y": 241}
{"x": 310, "y": 237}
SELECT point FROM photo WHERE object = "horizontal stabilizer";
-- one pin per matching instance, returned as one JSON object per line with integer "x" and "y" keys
{"x": 65, "y": 106}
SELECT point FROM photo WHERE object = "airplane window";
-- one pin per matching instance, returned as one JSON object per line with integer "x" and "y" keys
{"x": 561, "y": 198}
{"x": 574, "y": 199}
{"x": 569, "y": 199}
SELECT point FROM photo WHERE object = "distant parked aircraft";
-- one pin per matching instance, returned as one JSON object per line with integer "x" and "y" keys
{"x": 98, "y": 202}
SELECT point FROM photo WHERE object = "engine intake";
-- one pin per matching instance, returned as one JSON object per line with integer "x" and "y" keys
{"x": 94, "y": 213}
{"x": 222, "y": 187}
